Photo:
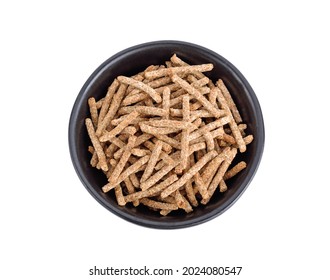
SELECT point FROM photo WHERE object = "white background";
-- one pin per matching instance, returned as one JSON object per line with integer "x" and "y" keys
{"x": 51, "y": 228}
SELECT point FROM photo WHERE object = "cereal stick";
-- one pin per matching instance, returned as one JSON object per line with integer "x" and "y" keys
{"x": 158, "y": 175}
{"x": 233, "y": 125}
{"x": 248, "y": 139}
{"x": 208, "y": 106}
{"x": 152, "y": 161}
{"x": 143, "y": 110}
{"x": 210, "y": 126}
{"x": 130, "y": 130}
{"x": 142, "y": 86}
{"x": 178, "y": 70}
{"x": 99, "y": 103}
{"x": 152, "y": 191}
{"x": 189, "y": 174}
{"x": 213, "y": 166}
{"x": 223, "y": 186}
{"x": 185, "y": 133}
{"x": 182, "y": 202}
{"x": 134, "y": 98}
{"x": 93, "y": 111}
{"x": 167, "y": 148}
{"x": 140, "y": 152}
{"x": 202, "y": 188}
{"x": 130, "y": 170}
{"x": 135, "y": 121}
{"x": 158, "y": 205}
{"x": 131, "y": 190}
{"x": 115, "y": 103}
{"x": 209, "y": 141}
{"x": 120, "y": 166}
{"x": 119, "y": 196}
{"x": 158, "y": 130}
{"x": 96, "y": 144}
{"x": 166, "y": 102}
{"x": 107, "y": 100}
{"x": 172, "y": 123}
{"x": 219, "y": 175}
{"x": 110, "y": 134}
{"x": 230, "y": 101}
{"x": 217, "y": 133}
{"x": 178, "y": 61}
{"x": 188, "y": 186}
{"x": 171, "y": 141}
{"x": 234, "y": 170}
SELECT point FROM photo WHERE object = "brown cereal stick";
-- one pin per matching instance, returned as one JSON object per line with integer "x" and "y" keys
{"x": 203, "y": 114}
{"x": 150, "y": 145}
{"x": 119, "y": 196}
{"x": 233, "y": 125}
{"x": 165, "y": 159}
{"x": 167, "y": 148}
{"x": 223, "y": 186}
{"x": 110, "y": 134}
{"x": 99, "y": 103}
{"x": 178, "y": 70}
{"x": 185, "y": 133}
{"x": 234, "y": 170}
{"x": 158, "y": 175}
{"x": 93, "y": 111}
{"x": 216, "y": 133}
{"x": 228, "y": 138}
{"x": 209, "y": 141}
{"x": 131, "y": 190}
{"x": 179, "y": 62}
{"x": 140, "y": 152}
{"x": 171, "y": 141}
{"x": 184, "y": 124}
{"x": 130, "y": 130}
{"x": 137, "y": 77}
{"x": 158, "y": 205}
{"x": 230, "y": 101}
{"x": 158, "y": 130}
{"x": 142, "y": 86}
{"x": 123, "y": 160}
{"x": 128, "y": 171}
{"x": 166, "y": 102}
{"x": 91, "y": 149}
{"x": 143, "y": 110}
{"x": 134, "y": 98}
{"x": 135, "y": 121}
{"x": 152, "y": 161}
{"x": 189, "y": 174}
{"x": 176, "y": 97}
{"x": 220, "y": 173}
{"x": 193, "y": 91}
{"x": 153, "y": 190}
{"x": 107, "y": 99}
{"x": 96, "y": 144}
{"x": 115, "y": 103}
{"x": 182, "y": 202}
{"x": 199, "y": 84}
{"x": 134, "y": 179}
{"x": 248, "y": 139}
{"x": 202, "y": 188}
{"x": 210, "y": 126}
{"x": 188, "y": 186}
{"x": 213, "y": 166}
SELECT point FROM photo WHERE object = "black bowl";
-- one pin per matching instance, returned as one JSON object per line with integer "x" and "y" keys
{"x": 132, "y": 60}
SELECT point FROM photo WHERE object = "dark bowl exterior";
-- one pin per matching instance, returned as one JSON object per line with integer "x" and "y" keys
{"x": 129, "y": 62}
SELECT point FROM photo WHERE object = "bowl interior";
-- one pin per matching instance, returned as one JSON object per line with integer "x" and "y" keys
{"x": 131, "y": 61}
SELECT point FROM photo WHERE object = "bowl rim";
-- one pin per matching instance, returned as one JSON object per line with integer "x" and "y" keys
{"x": 166, "y": 224}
